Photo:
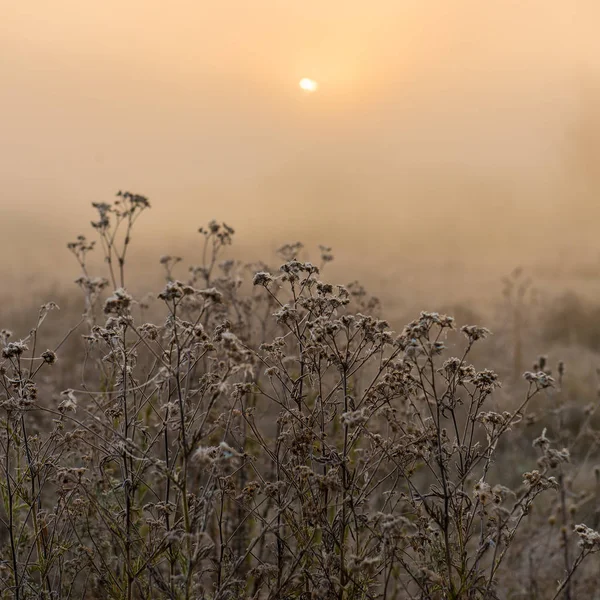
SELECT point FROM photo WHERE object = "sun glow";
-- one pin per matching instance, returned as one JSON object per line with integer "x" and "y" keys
{"x": 308, "y": 85}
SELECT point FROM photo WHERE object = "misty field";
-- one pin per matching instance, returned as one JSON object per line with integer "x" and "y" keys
{"x": 255, "y": 431}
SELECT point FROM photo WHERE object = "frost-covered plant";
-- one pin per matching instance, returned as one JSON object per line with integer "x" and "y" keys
{"x": 263, "y": 436}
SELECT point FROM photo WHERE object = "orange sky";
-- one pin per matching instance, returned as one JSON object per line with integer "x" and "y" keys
{"x": 463, "y": 106}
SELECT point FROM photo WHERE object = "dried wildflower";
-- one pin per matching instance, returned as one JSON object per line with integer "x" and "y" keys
{"x": 174, "y": 290}
{"x": 563, "y": 455}
{"x": 272, "y": 372}
{"x": 271, "y": 489}
{"x": 26, "y": 393}
{"x": 219, "y": 231}
{"x": 92, "y": 285}
{"x": 474, "y": 333}
{"x": 212, "y": 294}
{"x": 119, "y": 302}
{"x": 589, "y": 539}
{"x": 14, "y": 349}
{"x": 435, "y": 348}
{"x": 540, "y": 379}
{"x": 81, "y": 246}
{"x": 169, "y": 260}
{"x": 501, "y": 493}
{"x": 287, "y": 314}
{"x": 205, "y": 455}
{"x": 365, "y": 566}
{"x": 421, "y": 327}
{"x": 104, "y": 210}
{"x": 455, "y": 369}
{"x": 542, "y": 441}
{"x": 433, "y": 318}
{"x": 300, "y": 513}
{"x": 210, "y": 455}
{"x": 486, "y": 381}
{"x": 495, "y": 423}
{"x": 49, "y": 357}
{"x": 136, "y": 201}
{"x": 326, "y": 255}
{"x": 325, "y": 288}
{"x": 355, "y": 418}
{"x": 69, "y": 402}
{"x": 149, "y": 331}
{"x": 262, "y": 278}
{"x": 535, "y": 480}
{"x": 483, "y": 492}
{"x": 249, "y": 492}
{"x": 290, "y": 251}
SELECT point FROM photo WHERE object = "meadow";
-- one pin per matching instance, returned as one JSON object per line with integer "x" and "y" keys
{"x": 258, "y": 431}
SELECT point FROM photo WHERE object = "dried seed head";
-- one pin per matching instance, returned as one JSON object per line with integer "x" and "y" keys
{"x": 118, "y": 303}
{"x": 14, "y": 349}
{"x": 49, "y": 357}
{"x": 69, "y": 402}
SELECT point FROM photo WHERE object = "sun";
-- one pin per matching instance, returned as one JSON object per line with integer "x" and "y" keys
{"x": 308, "y": 85}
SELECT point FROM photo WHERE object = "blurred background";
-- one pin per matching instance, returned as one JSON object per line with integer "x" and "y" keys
{"x": 448, "y": 142}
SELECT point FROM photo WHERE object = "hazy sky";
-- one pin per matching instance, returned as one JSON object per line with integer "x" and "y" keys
{"x": 433, "y": 118}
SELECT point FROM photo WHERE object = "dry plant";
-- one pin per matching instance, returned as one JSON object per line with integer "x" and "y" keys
{"x": 268, "y": 437}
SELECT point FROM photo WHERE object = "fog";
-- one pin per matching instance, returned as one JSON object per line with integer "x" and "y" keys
{"x": 455, "y": 133}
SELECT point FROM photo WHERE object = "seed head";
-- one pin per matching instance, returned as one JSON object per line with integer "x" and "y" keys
{"x": 49, "y": 357}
